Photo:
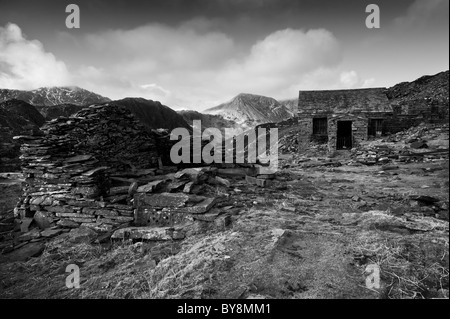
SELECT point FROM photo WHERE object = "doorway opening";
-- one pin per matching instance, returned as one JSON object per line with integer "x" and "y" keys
{"x": 344, "y": 135}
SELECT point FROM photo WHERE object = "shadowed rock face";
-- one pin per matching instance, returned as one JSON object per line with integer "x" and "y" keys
{"x": 251, "y": 108}
{"x": 152, "y": 114}
{"x": 16, "y": 118}
{"x": 22, "y": 109}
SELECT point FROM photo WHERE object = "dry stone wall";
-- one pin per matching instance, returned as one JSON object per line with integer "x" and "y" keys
{"x": 68, "y": 168}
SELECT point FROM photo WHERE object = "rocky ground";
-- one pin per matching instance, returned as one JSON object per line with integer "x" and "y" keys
{"x": 310, "y": 233}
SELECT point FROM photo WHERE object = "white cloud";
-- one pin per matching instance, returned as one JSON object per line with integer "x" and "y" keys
{"x": 349, "y": 78}
{"x": 24, "y": 64}
{"x": 189, "y": 66}
{"x": 326, "y": 79}
{"x": 288, "y": 52}
{"x": 280, "y": 60}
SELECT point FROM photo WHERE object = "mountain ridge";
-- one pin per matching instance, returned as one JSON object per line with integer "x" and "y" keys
{"x": 251, "y": 109}
{"x": 51, "y": 96}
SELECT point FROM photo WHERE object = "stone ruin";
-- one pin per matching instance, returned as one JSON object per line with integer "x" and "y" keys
{"x": 69, "y": 168}
{"x": 101, "y": 169}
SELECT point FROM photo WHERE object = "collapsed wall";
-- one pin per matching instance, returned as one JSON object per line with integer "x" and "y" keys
{"x": 68, "y": 168}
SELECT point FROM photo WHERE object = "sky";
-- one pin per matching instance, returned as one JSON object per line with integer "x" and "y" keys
{"x": 194, "y": 54}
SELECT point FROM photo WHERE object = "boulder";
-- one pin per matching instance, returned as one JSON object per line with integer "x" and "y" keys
{"x": 43, "y": 219}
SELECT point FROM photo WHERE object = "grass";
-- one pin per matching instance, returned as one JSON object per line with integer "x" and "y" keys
{"x": 410, "y": 268}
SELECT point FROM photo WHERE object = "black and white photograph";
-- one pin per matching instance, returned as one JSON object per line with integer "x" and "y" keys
{"x": 222, "y": 155}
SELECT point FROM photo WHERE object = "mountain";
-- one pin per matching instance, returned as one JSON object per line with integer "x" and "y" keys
{"x": 153, "y": 114}
{"x": 50, "y": 96}
{"x": 251, "y": 110}
{"x": 291, "y": 105}
{"x": 212, "y": 121}
{"x": 208, "y": 120}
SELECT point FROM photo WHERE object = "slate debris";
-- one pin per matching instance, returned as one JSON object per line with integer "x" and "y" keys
{"x": 100, "y": 169}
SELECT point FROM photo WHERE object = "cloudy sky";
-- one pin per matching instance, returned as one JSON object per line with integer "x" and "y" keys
{"x": 199, "y": 53}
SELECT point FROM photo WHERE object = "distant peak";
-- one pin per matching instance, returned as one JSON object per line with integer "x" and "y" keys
{"x": 247, "y": 95}
{"x": 244, "y": 94}
{"x": 70, "y": 88}
{"x": 56, "y": 95}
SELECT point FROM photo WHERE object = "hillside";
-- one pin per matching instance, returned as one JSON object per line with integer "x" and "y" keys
{"x": 16, "y": 118}
{"x": 51, "y": 112}
{"x": 54, "y": 96}
{"x": 25, "y": 110}
{"x": 153, "y": 114}
{"x": 425, "y": 97}
{"x": 291, "y": 105}
{"x": 432, "y": 88}
{"x": 208, "y": 120}
{"x": 251, "y": 110}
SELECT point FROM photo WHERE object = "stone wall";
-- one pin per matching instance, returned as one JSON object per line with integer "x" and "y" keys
{"x": 70, "y": 170}
{"x": 305, "y": 131}
{"x": 343, "y": 101}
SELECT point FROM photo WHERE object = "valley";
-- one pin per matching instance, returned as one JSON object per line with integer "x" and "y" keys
{"x": 95, "y": 190}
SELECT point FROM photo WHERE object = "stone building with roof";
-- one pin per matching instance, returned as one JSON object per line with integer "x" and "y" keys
{"x": 343, "y": 118}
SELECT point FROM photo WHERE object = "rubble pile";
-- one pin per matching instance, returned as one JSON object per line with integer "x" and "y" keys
{"x": 102, "y": 170}
{"x": 289, "y": 144}
{"x": 68, "y": 167}
{"x": 420, "y": 132}
{"x": 377, "y": 154}
{"x": 426, "y": 142}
